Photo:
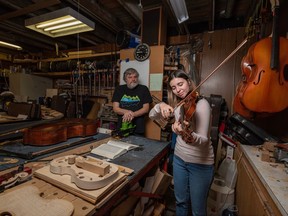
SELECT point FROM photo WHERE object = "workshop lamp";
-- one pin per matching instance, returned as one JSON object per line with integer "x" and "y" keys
{"x": 180, "y": 10}
{"x": 58, "y": 23}
{"x": 9, "y": 45}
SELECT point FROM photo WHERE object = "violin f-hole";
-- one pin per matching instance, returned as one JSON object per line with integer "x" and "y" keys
{"x": 259, "y": 77}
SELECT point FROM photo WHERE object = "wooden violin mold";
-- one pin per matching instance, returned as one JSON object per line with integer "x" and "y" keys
{"x": 86, "y": 173}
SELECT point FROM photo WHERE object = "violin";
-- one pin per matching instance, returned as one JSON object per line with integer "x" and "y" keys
{"x": 187, "y": 111}
{"x": 52, "y": 133}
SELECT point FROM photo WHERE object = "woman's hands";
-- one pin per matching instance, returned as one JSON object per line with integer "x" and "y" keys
{"x": 166, "y": 110}
{"x": 177, "y": 127}
{"x": 185, "y": 132}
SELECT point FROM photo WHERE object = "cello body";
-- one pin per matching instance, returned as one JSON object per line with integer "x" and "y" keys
{"x": 263, "y": 89}
{"x": 264, "y": 85}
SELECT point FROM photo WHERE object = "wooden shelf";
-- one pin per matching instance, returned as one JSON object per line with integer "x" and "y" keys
{"x": 80, "y": 56}
{"x": 68, "y": 73}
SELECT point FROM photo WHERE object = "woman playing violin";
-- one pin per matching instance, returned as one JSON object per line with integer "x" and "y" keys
{"x": 193, "y": 162}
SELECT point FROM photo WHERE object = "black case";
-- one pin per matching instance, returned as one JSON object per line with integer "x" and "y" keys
{"x": 246, "y": 132}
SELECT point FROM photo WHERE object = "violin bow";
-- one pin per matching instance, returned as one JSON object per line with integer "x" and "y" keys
{"x": 203, "y": 81}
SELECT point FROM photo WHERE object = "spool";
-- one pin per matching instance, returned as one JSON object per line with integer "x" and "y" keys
{"x": 126, "y": 39}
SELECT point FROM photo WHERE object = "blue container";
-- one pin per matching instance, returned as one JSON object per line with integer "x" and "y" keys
{"x": 126, "y": 39}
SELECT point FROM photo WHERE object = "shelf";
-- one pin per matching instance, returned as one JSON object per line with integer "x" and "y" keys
{"x": 80, "y": 56}
{"x": 69, "y": 73}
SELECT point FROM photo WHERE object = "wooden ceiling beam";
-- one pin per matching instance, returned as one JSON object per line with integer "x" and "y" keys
{"x": 131, "y": 9}
{"x": 31, "y": 8}
{"x": 97, "y": 12}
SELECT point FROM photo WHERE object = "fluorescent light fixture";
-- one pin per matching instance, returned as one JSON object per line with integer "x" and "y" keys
{"x": 9, "y": 45}
{"x": 59, "y": 23}
{"x": 180, "y": 10}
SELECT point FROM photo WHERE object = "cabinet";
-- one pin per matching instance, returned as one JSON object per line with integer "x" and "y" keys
{"x": 156, "y": 67}
{"x": 252, "y": 197}
{"x": 4, "y": 81}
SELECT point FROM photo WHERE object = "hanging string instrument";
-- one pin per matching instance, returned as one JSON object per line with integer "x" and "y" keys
{"x": 264, "y": 85}
{"x": 188, "y": 104}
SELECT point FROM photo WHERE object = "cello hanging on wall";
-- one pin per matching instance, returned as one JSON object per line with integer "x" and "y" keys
{"x": 264, "y": 85}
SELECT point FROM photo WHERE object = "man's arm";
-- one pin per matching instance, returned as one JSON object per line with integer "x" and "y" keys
{"x": 118, "y": 110}
{"x": 142, "y": 111}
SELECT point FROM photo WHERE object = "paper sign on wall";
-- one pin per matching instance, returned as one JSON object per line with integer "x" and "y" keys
{"x": 156, "y": 81}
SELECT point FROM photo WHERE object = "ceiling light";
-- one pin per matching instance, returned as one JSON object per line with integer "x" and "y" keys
{"x": 58, "y": 23}
{"x": 9, "y": 45}
{"x": 180, "y": 10}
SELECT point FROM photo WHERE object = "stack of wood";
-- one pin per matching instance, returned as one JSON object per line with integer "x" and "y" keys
{"x": 267, "y": 153}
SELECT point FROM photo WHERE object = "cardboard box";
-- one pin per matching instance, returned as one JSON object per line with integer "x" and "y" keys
{"x": 161, "y": 182}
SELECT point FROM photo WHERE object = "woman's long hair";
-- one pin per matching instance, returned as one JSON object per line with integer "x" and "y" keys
{"x": 172, "y": 98}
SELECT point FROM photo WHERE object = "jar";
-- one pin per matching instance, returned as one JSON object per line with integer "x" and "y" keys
{"x": 230, "y": 211}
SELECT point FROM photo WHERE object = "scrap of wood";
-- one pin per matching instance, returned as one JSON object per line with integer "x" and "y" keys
{"x": 270, "y": 146}
{"x": 93, "y": 165}
{"x": 265, "y": 155}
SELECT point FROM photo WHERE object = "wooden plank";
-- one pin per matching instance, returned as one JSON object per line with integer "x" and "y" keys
{"x": 64, "y": 182}
{"x": 81, "y": 207}
{"x": 157, "y": 59}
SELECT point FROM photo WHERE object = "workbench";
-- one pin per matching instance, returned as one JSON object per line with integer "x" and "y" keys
{"x": 141, "y": 160}
{"x": 261, "y": 187}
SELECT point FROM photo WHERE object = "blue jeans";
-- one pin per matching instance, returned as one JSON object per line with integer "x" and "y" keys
{"x": 191, "y": 183}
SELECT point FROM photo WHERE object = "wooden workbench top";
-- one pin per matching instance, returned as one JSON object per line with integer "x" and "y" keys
{"x": 272, "y": 175}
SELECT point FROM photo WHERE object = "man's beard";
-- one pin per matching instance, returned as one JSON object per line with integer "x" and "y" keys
{"x": 132, "y": 85}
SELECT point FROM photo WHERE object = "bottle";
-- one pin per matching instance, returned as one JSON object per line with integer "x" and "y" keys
{"x": 230, "y": 211}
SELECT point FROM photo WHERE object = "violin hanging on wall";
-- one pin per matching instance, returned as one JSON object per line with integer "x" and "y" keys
{"x": 264, "y": 85}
